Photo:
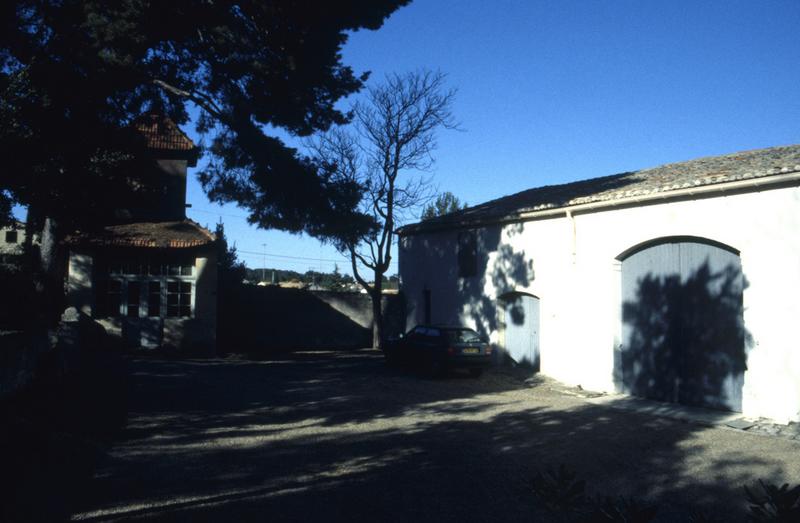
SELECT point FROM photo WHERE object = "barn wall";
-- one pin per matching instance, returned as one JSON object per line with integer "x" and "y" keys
{"x": 571, "y": 264}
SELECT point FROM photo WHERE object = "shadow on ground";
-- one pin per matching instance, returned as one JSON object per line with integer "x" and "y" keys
{"x": 55, "y": 432}
{"x": 339, "y": 437}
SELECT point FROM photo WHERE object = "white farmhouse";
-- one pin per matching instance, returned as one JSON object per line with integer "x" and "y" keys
{"x": 679, "y": 283}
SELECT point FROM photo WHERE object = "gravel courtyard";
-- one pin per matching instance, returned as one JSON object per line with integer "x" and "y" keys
{"x": 325, "y": 436}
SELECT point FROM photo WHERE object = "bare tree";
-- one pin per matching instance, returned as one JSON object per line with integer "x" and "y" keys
{"x": 387, "y": 150}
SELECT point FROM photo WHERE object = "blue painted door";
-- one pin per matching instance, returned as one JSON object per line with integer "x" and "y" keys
{"x": 683, "y": 337}
{"x": 522, "y": 329}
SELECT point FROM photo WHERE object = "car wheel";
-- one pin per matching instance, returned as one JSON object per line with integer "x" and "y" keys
{"x": 475, "y": 373}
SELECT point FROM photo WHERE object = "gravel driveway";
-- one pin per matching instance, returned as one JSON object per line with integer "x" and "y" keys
{"x": 324, "y": 436}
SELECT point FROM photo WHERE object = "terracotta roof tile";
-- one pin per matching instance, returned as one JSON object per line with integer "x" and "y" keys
{"x": 162, "y": 133}
{"x": 180, "y": 234}
{"x": 670, "y": 177}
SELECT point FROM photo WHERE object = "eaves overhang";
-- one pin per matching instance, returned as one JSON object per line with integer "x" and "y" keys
{"x": 785, "y": 177}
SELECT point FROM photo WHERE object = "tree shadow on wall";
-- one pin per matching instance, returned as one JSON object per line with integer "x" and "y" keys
{"x": 506, "y": 269}
{"x": 684, "y": 339}
{"x": 521, "y": 337}
{"x": 498, "y": 270}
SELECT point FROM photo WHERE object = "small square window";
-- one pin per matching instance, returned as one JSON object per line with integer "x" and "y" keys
{"x": 134, "y": 297}
{"x": 186, "y": 299}
{"x": 11, "y": 237}
{"x": 132, "y": 268}
{"x": 115, "y": 267}
{"x": 467, "y": 254}
{"x": 154, "y": 268}
{"x": 113, "y": 298}
{"x": 179, "y": 299}
{"x": 154, "y": 299}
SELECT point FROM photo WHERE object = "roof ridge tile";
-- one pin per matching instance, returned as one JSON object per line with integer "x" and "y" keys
{"x": 703, "y": 171}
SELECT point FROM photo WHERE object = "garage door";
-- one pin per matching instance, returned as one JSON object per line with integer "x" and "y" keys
{"x": 522, "y": 329}
{"x": 682, "y": 334}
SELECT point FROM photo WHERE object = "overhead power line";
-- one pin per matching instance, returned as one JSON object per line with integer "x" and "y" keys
{"x": 271, "y": 255}
{"x": 295, "y": 259}
{"x": 340, "y": 260}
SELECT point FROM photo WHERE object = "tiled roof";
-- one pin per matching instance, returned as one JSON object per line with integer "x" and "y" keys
{"x": 180, "y": 234}
{"x": 629, "y": 185}
{"x": 162, "y": 134}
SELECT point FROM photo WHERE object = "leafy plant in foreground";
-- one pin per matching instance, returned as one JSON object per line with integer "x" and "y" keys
{"x": 623, "y": 510}
{"x": 562, "y": 493}
{"x": 771, "y": 503}
{"x": 559, "y": 490}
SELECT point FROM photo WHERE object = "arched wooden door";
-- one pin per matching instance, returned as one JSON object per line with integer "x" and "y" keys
{"x": 682, "y": 327}
{"x": 522, "y": 329}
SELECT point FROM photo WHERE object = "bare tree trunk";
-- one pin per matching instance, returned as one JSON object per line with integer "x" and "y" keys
{"x": 49, "y": 272}
{"x": 377, "y": 313}
{"x": 394, "y": 132}
{"x": 30, "y": 231}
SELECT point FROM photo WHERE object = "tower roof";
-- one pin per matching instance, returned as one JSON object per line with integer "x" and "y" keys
{"x": 162, "y": 134}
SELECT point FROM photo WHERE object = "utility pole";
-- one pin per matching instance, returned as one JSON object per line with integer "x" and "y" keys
{"x": 264, "y": 265}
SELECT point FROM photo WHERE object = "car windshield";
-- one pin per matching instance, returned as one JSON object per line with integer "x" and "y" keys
{"x": 463, "y": 336}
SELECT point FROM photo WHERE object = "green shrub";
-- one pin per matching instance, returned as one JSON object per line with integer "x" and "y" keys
{"x": 623, "y": 510}
{"x": 559, "y": 490}
{"x": 773, "y": 504}
{"x": 701, "y": 516}
{"x": 562, "y": 493}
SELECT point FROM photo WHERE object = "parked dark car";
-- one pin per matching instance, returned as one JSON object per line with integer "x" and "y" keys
{"x": 438, "y": 348}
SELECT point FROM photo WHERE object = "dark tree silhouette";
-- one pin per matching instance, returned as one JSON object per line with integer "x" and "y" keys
{"x": 394, "y": 135}
{"x": 231, "y": 271}
{"x": 73, "y": 73}
{"x": 687, "y": 342}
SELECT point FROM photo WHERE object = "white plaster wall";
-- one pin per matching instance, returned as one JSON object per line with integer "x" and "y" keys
{"x": 576, "y": 276}
{"x": 12, "y": 248}
{"x": 198, "y": 332}
{"x": 79, "y": 281}
{"x": 205, "y": 307}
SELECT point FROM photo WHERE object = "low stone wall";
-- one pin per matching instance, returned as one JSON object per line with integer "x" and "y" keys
{"x": 358, "y": 308}
{"x": 255, "y": 319}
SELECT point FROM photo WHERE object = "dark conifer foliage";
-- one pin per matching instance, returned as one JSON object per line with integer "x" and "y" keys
{"x": 230, "y": 271}
{"x": 445, "y": 203}
{"x": 73, "y": 73}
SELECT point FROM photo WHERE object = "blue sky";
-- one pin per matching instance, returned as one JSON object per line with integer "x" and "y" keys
{"x": 555, "y": 91}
